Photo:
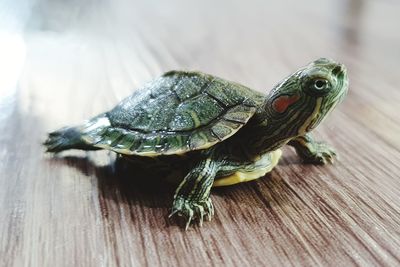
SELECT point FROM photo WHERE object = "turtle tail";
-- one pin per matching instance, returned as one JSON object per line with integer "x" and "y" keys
{"x": 66, "y": 138}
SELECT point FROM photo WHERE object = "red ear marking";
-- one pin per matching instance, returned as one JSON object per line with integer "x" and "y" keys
{"x": 281, "y": 103}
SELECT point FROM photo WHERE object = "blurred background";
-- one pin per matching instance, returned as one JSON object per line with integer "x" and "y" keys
{"x": 63, "y": 61}
{"x": 111, "y": 47}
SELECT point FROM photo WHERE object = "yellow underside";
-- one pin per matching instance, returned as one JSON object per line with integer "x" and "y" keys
{"x": 242, "y": 176}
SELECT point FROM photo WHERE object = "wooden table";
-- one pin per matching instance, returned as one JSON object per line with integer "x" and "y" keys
{"x": 64, "y": 61}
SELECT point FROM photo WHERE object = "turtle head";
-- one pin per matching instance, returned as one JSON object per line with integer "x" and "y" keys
{"x": 303, "y": 100}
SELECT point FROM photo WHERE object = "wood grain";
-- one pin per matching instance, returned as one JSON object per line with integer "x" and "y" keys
{"x": 65, "y": 61}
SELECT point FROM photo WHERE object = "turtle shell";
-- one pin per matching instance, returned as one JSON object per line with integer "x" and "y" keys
{"x": 176, "y": 113}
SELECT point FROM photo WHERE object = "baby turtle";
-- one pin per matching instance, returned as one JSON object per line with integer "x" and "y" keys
{"x": 227, "y": 132}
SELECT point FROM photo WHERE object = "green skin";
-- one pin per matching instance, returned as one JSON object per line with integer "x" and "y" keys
{"x": 264, "y": 124}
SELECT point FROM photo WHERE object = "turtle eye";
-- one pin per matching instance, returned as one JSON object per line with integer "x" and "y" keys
{"x": 318, "y": 87}
{"x": 320, "y": 84}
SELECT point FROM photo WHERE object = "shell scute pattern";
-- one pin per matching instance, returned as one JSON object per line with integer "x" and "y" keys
{"x": 238, "y": 114}
{"x": 189, "y": 86}
{"x": 159, "y": 86}
{"x": 127, "y": 142}
{"x": 220, "y": 130}
{"x": 193, "y": 114}
{"x": 161, "y": 114}
{"x": 177, "y": 113}
{"x": 220, "y": 90}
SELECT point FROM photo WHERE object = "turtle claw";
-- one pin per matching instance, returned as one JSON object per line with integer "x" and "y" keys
{"x": 192, "y": 210}
{"x": 172, "y": 213}
{"x": 200, "y": 210}
{"x": 323, "y": 154}
{"x": 189, "y": 219}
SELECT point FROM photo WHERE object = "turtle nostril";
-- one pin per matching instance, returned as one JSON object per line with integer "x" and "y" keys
{"x": 338, "y": 69}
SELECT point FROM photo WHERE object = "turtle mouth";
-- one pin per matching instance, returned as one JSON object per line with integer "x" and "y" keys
{"x": 322, "y": 112}
{"x": 325, "y": 110}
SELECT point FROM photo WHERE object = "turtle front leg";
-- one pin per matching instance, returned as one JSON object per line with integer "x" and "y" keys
{"x": 311, "y": 151}
{"x": 192, "y": 197}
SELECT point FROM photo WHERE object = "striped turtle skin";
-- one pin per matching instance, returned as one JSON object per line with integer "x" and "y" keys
{"x": 227, "y": 132}
{"x": 174, "y": 114}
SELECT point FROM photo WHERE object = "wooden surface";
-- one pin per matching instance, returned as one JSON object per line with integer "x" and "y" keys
{"x": 64, "y": 61}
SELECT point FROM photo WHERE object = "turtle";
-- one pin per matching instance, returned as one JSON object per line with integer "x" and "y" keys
{"x": 223, "y": 132}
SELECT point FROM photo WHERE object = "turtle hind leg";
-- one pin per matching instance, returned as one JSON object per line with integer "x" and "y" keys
{"x": 66, "y": 138}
